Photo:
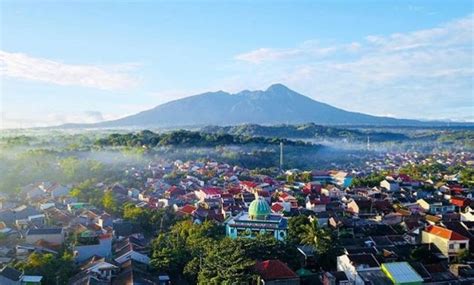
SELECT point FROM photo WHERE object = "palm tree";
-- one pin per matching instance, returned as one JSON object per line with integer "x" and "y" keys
{"x": 319, "y": 238}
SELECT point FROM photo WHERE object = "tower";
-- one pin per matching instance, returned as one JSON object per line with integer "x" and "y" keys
{"x": 368, "y": 143}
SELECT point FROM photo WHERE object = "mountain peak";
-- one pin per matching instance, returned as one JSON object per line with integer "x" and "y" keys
{"x": 278, "y": 87}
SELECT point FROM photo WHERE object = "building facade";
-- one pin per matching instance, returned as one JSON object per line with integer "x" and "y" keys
{"x": 258, "y": 220}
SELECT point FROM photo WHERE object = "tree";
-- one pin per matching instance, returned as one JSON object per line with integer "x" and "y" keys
{"x": 133, "y": 213}
{"x": 182, "y": 248}
{"x": 324, "y": 243}
{"x": 226, "y": 263}
{"x": 463, "y": 256}
{"x": 296, "y": 228}
{"x": 265, "y": 246}
{"x": 70, "y": 167}
{"x": 290, "y": 179}
{"x": 371, "y": 180}
{"x": 110, "y": 202}
{"x": 54, "y": 270}
{"x": 306, "y": 177}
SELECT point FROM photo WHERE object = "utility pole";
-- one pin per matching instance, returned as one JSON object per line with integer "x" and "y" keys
{"x": 281, "y": 156}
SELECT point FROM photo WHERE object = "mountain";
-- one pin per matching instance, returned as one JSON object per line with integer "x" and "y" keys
{"x": 276, "y": 105}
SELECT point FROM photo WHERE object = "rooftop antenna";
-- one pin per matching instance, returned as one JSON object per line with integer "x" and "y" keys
{"x": 368, "y": 143}
{"x": 281, "y": 156}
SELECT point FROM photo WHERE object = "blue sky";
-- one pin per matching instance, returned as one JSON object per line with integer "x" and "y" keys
{"x": 88, "y": 61}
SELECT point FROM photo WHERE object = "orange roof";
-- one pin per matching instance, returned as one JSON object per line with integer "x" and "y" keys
{"x": 460, "y": 201}
{"x": 444, "y": 233}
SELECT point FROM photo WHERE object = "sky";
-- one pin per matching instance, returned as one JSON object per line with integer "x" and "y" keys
{"x": 89, "y": 61}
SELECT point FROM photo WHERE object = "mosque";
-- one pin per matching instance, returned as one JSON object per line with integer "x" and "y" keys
{"x": 258, "y": 220}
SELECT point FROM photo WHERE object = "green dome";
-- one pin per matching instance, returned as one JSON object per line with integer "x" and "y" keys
{"x": 259, "y": 209}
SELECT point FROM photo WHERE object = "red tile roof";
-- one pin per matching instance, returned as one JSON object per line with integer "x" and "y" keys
{"x": 234, "y": 190}
{"x": 445, "y": 233}
{"x": 403, "y": 177}
{"x": 188, "y": 209}
{"x": 212, "y": 191}
{"x": 249, "y": 184}
{"x": 277, "y": 208}
{"x": 274, "y": 270}
{"x": 283, "y": 195}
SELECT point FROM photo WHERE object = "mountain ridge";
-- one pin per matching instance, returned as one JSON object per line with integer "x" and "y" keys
{"x": 276, "y": 105}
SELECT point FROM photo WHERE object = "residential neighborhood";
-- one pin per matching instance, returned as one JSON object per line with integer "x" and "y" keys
{"x": 403, "y": 230}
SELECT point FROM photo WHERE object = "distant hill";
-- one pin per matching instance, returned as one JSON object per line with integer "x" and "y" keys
{"x": 276, "y": 105}
{"x": 306, "y": 131}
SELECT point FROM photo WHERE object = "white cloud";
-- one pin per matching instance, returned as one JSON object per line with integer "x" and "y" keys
{"x": 266, "y": 54}
{"x": 19, "y": 65}
{"x": 306, "y": 49}
{"x": 421, "y": 74}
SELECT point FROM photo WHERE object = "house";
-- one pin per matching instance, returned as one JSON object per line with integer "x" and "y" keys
{"x": 312, "y": 188}
{"x": 11, "y": 276}
{"x": 449, "y": 242}
{"x": 95, "y": 270}
{"x": 249, "y": 186}
{"x": 287, "y": 198}
{"x": 390, "y": 185}
{"x": 323, "y": 177}
{"x": 208, "y": 193}
{"x": 350, "y": 264}
{"x": 186, "y": 210}
{"x": 133, "y": 193}
{"x": 401, "y": 273}
{"x": 359, "y": 206}
{"x": 414, "y": 208}
{"x": 10, "y": 216}
{"x": 336, "y": 278}
{"x": 436, "y": 207}
{"x": 317, "y": 205}
{"x": 133, "y": 272}
{"x": 105, "y": 220}
{"x": 50, "y": 235}
{"x": 76, "y": 206}
{"x": 273, "y": 272}
{"x": 277, "y": 208}
{"x": 467, "y": 215}
{"x": 57, "y": 190}
{"x": 35, "y": 193}
{"x": 465, "y": 229}
{"x": 460, "y": 203}
{"x": 91, "y": 245}
{"x": 131, "y": 248}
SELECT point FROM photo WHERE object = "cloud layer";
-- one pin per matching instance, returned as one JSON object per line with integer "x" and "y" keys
{"x": 11, "y": 121}
{"x": 22, "y": 66}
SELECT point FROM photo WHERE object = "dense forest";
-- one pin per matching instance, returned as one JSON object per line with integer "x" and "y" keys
{"x": 189, "y": 138}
